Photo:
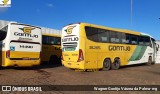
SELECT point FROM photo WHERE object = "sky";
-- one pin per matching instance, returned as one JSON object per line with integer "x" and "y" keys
{"x": 112, "y": 13}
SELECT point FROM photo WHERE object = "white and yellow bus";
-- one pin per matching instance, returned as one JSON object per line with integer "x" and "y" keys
{"x": 20, "y": 44}
{"x": 51, "y": 46}
{"x": 158, "y": 52}
{"x": 88, "y": 46}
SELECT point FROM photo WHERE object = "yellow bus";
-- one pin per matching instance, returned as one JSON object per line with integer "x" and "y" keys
{"x": 51, "y": 46}
{"x": 20, "y": 44}
{"x": 89, "y": 46}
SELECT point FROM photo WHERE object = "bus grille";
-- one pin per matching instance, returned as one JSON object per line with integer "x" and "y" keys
{"x": 70, "y": 45}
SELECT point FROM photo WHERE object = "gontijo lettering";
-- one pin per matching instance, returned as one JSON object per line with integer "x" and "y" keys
{"x": 25, "y": 35}
{"x": 70, "y": 39}
{"x": 119, "y": 48}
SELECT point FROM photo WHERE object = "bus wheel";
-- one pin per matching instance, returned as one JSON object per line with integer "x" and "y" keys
{"x": 149, "y": 61}
{"x": 116, "y": 64}
{"x": 107, "y": 64}
{"x": 153, "y": 62}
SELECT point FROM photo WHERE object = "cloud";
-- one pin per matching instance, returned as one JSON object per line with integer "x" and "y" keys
{"x": 50, "y": 5}
{"x": 3, "y": 9}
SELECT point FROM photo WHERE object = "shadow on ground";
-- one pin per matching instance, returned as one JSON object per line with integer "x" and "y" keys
{"x": 132, "y": 66}
{"x": 42, "y": 66}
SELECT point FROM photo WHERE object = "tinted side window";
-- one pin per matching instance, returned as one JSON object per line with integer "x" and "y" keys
{"x": 125, "y": 38}
{"x": 141, "y": 40}
{"x": 44, "y": 39}
{"x": 3, "y": 33}
{"x": 147, "y": 41}
{"x": 57, "y": 40}
{"x": 113, "y": 37}
{"x": 128, "y": 38}
{"x": 51, "y": 40}
{"x": 103, "y": 35}
{"x": 92, "y": 33}
{"x": 134, "y": 39}
{"x": 118, "y": 37}
{"x": 54, "y": 40}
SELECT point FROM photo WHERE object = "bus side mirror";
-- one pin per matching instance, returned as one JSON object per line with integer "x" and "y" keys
{"x": 157, "y": 47}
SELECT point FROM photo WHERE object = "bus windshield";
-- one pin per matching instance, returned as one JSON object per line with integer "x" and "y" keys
{"x": 3, "y": 33}
{"x": 51, "y": 40}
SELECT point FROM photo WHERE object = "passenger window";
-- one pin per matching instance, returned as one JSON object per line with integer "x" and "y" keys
{"x": 125, "y": 38}
{"x": 141, "y": 40}
{"x": 92, "y": 33}
{"x": 51, "y": 40}
{"x": 147, "y": 41}
{"x": 113, "y": 37}
{"x": 103, "y": 35}
{"x": 54, "y": 40}
{"x": 134, "y": 39}
{"x": 118, "y": 37}
{"x": 57, "y": 40}
{"x": 44, "y": 39}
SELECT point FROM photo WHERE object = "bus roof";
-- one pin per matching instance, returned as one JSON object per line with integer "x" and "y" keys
{"x": 4, "y": 23}
{"x": 49, "y": 31}
{"x": 115, "y": 29}
{"x": 145, "y": 34}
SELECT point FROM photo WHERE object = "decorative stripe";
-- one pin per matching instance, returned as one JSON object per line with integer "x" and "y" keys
{"x": 138, "y": 53}
{"x": 24, "y": 42}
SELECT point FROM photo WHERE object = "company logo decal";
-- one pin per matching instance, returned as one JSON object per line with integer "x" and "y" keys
{"x": 69, "y": 29}
{"x": 119, "y": 48}
{"x": 5, "y": 3}
{"x": 27, "y": 30}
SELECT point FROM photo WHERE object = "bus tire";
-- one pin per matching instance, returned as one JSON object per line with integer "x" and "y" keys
{"x": 107, "y": 64}
{"x": 153, "y": 62}
{"x": 116, "y": 64}
{"x": 149, "y": 61}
